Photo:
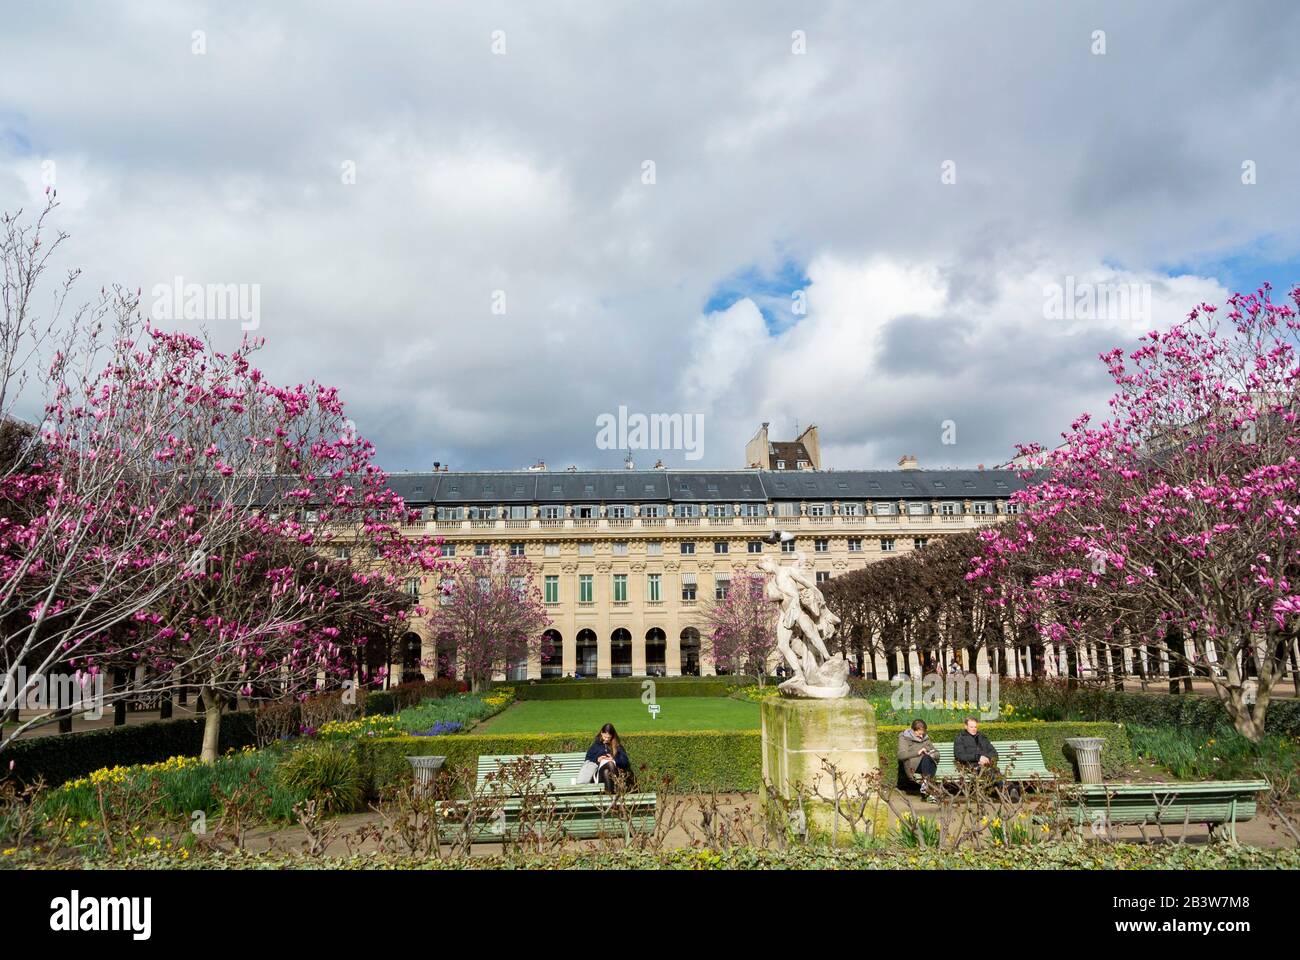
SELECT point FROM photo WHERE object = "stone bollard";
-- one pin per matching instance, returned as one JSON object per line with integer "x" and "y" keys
{"x": 1087, "y": 757}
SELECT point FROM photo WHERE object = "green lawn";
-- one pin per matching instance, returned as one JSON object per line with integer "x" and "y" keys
{"x": 627, "y": 714}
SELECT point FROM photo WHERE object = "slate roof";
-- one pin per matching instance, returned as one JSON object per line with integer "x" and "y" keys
{"x": 690, "y": 486}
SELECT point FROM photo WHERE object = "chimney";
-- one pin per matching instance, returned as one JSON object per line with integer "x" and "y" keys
{"x": 908, "y": 461}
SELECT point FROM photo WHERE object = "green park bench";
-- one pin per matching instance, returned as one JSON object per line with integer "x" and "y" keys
{"x": 1216, "y": 804}
{"x": 585, "y": 811}
{"x": 1021, "y": 761}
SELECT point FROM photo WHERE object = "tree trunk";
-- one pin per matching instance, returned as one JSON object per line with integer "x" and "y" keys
{"x": 165, "y": 704}
{"x": 212, "y": 704}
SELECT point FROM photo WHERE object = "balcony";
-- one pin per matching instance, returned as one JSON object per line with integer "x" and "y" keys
{"x": 517, "y": 523}
{"x": 619, "y": 522}
{"x": 482, "y": 524}
{"x": 448, "y": 524}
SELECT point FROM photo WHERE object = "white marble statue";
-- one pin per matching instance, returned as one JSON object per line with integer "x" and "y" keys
{"x": 804, "y": 625}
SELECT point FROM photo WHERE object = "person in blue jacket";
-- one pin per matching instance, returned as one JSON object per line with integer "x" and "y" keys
{"x": 607, "y": 751}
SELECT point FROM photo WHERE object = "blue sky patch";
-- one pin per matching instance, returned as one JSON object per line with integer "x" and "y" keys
{"x": 771, "y": 291}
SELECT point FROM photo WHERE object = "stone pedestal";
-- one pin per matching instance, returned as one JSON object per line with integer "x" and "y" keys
{"x": 798, "y": 735}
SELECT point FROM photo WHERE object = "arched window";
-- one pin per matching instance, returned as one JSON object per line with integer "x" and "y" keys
{"x": 690, "y": 647}
{"x": 587, "y": 653}
{"x": 552, "y": 654}
{"x": 656, "y": 652}
{"x": 620, "y": 653}
{"x": 412, "y": 653}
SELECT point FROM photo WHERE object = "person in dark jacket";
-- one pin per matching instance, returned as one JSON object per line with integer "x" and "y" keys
{"x": 972, "y": 749}
{"x": 607, "y": 751}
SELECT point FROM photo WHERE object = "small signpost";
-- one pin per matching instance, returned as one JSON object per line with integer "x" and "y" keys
{"x": 654, "y": 711}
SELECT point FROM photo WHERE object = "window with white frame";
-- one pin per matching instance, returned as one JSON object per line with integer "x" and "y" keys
{"x": 949, "y": 509}
{"x": 516, "y": 549}
{"x": 619, "y": 548}
{"x": 882, "y": 509}
{"x": 917, "y": 509}
{"x": 979, "y": 507}
{"x": 552, "y": 550}
{"x": 653, "y": 587}
{"x": 821, "y": 545}
{"x": 855, "y": 544}
{"x": 551, "y": 513}
{"x": 721, "y": 584}
{"x": 887, "y": 544}
{"x": 755, "y": 546}
{"x": 688, "y": 547}
{"x": 654, "y": 548}
{"x": 482, "y": 549}
{"x": 618, "y": 512}
{"x": 586, "y": 549}
{"x": 816, "y": 509}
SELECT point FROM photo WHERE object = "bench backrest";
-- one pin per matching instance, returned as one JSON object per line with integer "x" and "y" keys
{"x": 561, "y": 767}
{"x": 1014, "y": 756}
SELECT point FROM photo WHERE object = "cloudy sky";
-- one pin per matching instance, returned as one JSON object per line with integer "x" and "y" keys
{"x": 490, "y": 223}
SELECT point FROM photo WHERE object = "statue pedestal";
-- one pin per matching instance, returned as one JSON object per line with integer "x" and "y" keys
{"x": 797, "y": 736}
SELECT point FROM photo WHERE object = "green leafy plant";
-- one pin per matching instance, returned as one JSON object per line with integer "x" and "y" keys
{"x": 326, "y": 773}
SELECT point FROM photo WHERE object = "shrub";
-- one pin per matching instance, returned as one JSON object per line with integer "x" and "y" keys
{"x": 1222, "y": 754}
{"x": 727, "y": 761}
{"x": 326, "y": 773}
{"x": 57, "y": 759}
{"x": 613, "y": 689}
{"x": 410, "y": 694}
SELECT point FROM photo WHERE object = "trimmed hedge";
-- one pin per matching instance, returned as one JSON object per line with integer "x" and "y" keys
{"x": 727, "y": 761}
{"x": 398, "y": 698}
{"x": 1052, "y": 701}
{"x": 616, "y": 689}
{"x": 67, "y": 756}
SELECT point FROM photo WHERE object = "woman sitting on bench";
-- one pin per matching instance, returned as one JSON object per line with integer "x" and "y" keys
{"x": 606, "y": 760}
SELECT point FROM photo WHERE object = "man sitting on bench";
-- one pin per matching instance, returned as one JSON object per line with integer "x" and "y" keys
{"x": 974, "y": 752}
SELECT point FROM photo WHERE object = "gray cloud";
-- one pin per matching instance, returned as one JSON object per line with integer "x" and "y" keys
{"x": 522, "y": 173}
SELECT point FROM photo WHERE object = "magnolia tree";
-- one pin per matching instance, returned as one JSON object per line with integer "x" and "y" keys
{"x": 175, "y": 511}
{"x": 1174, "y": 521}
{"x": 740, "y": 629}
{"x": 491, "y": 610}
